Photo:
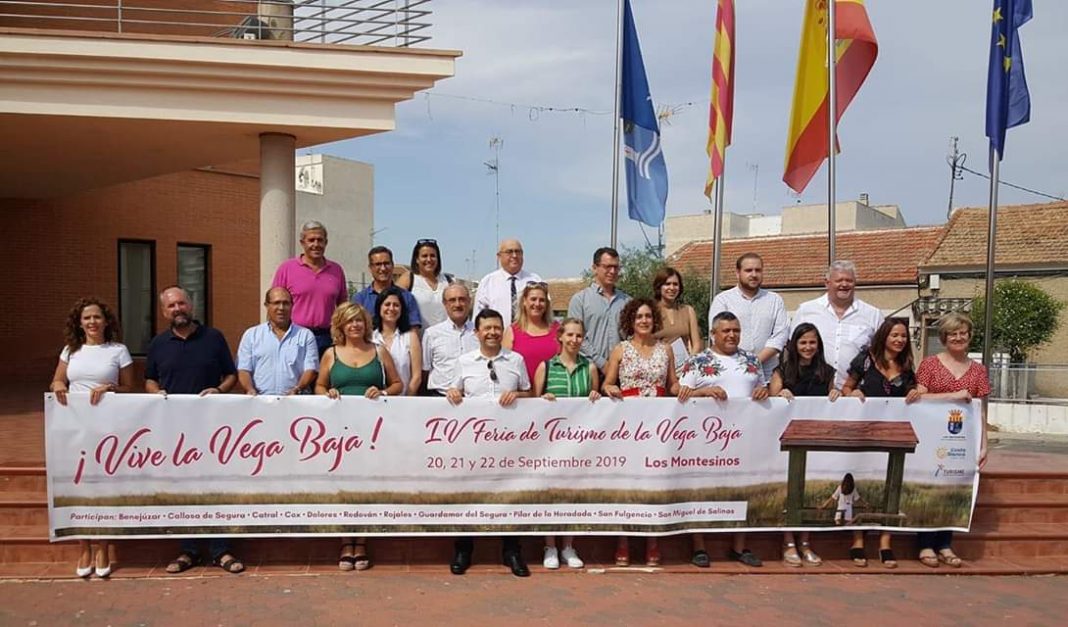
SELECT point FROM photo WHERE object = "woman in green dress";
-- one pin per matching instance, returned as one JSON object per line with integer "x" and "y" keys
{"x": 355, "y": 366}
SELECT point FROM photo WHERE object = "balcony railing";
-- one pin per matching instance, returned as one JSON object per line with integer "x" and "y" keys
{"x": 397, "y": 23}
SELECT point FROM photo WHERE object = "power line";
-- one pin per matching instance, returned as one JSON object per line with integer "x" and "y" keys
{"x": 1012, "y": 185}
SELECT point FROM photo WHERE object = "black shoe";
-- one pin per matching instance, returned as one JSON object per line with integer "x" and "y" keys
{"x": 516, "y": 563}
{"x": 746, "y": 557}
{"x": 460, "y": 563}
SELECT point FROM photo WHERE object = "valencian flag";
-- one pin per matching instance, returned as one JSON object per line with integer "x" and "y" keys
{"x": 1008, "y": 102}
{"x": 856, "y": 49}
{"x": 647, "y": 182}
{"x": 721, "y": 109}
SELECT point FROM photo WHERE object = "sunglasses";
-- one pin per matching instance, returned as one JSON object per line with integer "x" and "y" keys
{"x": 492, "y": 371}
{"x": 426, "y": 242}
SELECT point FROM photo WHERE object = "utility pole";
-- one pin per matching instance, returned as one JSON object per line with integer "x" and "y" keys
{"x": 956, "y": 161}
{"x": 755, "y": 167}
{"x": 494, "y": 166}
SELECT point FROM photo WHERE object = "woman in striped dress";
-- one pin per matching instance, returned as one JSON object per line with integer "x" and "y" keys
{"x": 568, "y": 374}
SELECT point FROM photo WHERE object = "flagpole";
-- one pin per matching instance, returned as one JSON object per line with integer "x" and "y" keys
{"x": 992, "y": 226}
{"x": 616, "y": 125}
{"x": 832, "y": 110}
{"x": 717, "y": 229}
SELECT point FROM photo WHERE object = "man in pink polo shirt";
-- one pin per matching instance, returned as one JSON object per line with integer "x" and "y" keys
{"x": 317, "y": 284}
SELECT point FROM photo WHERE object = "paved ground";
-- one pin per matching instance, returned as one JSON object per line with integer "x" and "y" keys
{"x": 559, "y": 599}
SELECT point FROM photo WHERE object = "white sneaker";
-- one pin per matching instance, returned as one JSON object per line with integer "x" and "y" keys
{"x": 552, "y": 559}
{"x": 571, "y": 557}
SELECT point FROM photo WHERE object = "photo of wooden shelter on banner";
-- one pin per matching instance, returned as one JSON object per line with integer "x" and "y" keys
{"x": 154, "y": 466}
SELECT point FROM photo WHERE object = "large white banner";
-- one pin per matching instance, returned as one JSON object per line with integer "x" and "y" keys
{"x": 148, "y": 465}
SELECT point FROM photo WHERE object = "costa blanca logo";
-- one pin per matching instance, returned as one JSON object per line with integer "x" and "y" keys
{"x": 955, "y": 423}
{"x": 943, "y": 452}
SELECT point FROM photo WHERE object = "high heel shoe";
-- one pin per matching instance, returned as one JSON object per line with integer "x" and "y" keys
{"x": 84, "y": 571}
{"x": 103, "y": 573}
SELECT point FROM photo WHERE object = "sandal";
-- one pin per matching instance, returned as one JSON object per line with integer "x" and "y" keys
{"x": 857, "y": 555}
{"x": 928, "y": 558}
{"x": 886, "y": 556}
{"x": 347, "y": 561}
{"x": 810, "y": 557}
{"x": 701, "y": 559}
{"x": 949, "y": 558}
{"x": 361, "y": 561}
{"x": 182, "y": 563}
{"x": 229, "y": 563}
{"x": 790, "y": 556}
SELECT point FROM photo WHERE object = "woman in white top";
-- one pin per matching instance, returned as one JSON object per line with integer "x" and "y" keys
{"x": 427, "y": 282}
{"x": 92, "y": 361}
{"x": 723, "y": 371}
{"x": 394, "y": 333}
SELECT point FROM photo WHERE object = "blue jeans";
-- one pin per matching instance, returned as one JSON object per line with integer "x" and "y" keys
{"x": 934, "y": 540}
{"x": 217, "y": 547}
{"x": 323, "y": 340}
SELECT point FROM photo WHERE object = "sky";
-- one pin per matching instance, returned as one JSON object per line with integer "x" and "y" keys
{"x": 928, "y": 84}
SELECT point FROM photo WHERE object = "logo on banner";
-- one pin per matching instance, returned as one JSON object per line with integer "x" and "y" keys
{"x": 955, "y": 452}
{"x": 955, "y": 424}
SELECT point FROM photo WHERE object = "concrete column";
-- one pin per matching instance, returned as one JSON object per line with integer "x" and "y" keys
{"x": 278, "y": 203}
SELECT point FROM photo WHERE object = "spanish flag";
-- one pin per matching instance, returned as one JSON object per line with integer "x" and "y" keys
{"x": 721, "y": 109}
{"x": 856, "y": 49}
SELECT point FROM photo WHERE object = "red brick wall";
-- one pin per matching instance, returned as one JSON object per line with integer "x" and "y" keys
{"x": 58, "y": 250}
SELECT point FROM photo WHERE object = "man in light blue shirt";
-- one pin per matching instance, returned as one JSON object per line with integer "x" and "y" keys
{"x": 598, "y": 307}
{"x": 277, "y": 357}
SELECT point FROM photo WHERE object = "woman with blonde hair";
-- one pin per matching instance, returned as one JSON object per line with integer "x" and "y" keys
{"x": 533, "y": 335}
{"x": 355, "y": 366}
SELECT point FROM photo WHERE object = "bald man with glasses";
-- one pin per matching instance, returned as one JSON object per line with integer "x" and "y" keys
{"x": 498, "y": 289}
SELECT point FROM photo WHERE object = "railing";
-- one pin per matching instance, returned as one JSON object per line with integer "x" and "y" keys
{"x": 397, "y": 23}
{"x": 1029, "y": 383}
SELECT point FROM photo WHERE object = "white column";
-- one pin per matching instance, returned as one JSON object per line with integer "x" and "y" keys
{"x": 278, "y": 203}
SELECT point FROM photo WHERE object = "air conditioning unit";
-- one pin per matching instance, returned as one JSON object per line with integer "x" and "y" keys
{"x": 273, "y": 21}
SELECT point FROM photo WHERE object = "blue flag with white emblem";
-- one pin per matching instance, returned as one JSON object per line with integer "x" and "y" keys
{"x": 1008, "y": 102}
{"x": 647, "y": 182}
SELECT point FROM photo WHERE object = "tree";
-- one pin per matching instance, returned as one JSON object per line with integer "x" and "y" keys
{"x": 1025, "y": 317}
{"x": 638, "y": 266}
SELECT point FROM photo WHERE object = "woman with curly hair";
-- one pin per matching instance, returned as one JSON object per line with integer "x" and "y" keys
{"x": 640, "y": 365}
{"x": 92, "y": 361}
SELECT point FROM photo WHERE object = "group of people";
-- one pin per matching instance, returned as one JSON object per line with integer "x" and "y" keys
{"x": 412, "y": 333}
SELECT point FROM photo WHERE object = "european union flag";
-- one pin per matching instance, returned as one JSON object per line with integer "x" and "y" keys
{"x": 647, "y": 182}
{"x": 1008, "y": 102}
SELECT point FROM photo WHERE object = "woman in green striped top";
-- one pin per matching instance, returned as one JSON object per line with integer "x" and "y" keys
{"x": 568, "y": 374}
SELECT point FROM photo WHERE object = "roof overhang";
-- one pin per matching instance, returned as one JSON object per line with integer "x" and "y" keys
{"x": 82, "y": 110}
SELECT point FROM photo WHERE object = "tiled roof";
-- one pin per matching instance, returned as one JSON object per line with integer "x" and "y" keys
{"x": 883, "y": 257}
{"x": 1027, "y": 235}
{"x": 561, "y": 291}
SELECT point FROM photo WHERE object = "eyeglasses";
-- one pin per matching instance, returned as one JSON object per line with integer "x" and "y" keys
{"x": 492, "y": 371}
{"x": 609, "y": 267}
{"x": 381, "y": 264}
{"x": 426, "y": 242}
{"x": 510, "y": 251}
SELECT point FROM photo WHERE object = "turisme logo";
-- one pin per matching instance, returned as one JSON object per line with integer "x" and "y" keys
{"x": 955, "y": 424}
{"x": 942, "y": 471}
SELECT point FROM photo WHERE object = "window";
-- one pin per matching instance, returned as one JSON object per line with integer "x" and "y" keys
{"x": 193, "y": 269}
{"x": 137, "y": 294}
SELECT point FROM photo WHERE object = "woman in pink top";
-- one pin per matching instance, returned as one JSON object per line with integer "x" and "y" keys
{"x": 951, "y": 375}
{"x": 534, "y": 333}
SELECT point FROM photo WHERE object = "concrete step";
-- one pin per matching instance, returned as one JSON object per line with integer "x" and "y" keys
{"x": 1022, "y": 507}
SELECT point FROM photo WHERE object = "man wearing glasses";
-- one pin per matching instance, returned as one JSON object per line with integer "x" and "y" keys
{"x": 498, "y": 289}
{"x": 380, "y": 263}
{"x": 598, "y": 307}
{"x": 491, "y": 372}
{"x": 846, "y": 323}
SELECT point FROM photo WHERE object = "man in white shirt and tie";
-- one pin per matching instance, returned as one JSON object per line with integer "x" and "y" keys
{"x": 498, "y": 289}
{"x": 846, "y": 323}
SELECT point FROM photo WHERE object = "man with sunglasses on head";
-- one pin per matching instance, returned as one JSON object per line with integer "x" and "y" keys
{"x": 846, "y": 323}
{"x": 491, "y": 372}
{"x": 498, "y": 289}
